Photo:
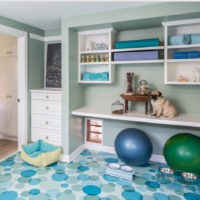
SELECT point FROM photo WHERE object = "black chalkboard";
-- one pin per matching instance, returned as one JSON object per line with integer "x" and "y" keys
{"x": 53, "y": 66}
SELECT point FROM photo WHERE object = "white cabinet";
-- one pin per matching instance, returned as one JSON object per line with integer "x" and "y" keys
{"x": 46, "y": 115}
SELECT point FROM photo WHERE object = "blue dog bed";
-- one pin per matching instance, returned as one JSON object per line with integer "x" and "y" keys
{"x": 40, "y": 153}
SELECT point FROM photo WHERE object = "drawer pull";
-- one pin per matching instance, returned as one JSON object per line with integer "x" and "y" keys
{"x": 47, "y": 137}
{"x": 47, "y": 96}
{"x": 46, "y": 122}
{"x": 47, "y": 108}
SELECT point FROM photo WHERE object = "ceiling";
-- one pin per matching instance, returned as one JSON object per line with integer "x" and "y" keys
{"x": 47, "y": 15}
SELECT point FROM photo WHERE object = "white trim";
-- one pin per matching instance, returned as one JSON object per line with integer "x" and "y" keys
{"x": 37, "y": 37}
{"x": 181, "y": 22}
{"x": 22, "y": 81}
{"x": 73, "y": 155}
{"x": 45, "y": 39}
{"x": 53, "y": 38}
{"x": 98, "y": 147}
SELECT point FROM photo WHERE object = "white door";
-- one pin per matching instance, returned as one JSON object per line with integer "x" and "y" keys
{"x": 8, "y": 86}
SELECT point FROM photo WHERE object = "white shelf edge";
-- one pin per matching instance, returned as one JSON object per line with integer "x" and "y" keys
{"x": 95, "y": 63}
{"x": 182, "y": 83}
{"x": 183, "y": 46}
{"x": 94, "y": 52}
{"x": 183, "y": 60}
{"x": 138, "y": 49}
{"x": 104, "y": 82}
{"x": 137, "y": 61}
{"x": 140, "y": 118}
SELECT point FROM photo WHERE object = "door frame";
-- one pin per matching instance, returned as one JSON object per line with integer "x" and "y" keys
{"x": 22, "y": 81}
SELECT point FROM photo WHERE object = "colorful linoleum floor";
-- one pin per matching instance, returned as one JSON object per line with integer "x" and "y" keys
{"x": 85, "y": 179}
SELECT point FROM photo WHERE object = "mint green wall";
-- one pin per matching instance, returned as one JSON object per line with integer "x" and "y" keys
{"x": 104, "y": 95}
{"x": 52, "y": 32}
{"x": 35, "y": 71}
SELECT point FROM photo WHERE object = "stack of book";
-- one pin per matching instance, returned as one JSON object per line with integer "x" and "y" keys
{"x": 123, "y": 171}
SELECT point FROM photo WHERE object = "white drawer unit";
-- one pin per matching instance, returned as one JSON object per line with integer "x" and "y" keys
{"x": 46, "y": 115}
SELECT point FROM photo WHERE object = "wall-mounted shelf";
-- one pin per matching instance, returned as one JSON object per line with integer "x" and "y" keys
{"x": 94, "y": 52}
{"x": 138, "y": 49}
{"x": 182, "y": 83}
{"x": 175, "y": 69}
{"x": 189, "y": 120}
{"x": 183, "y": 60}
{"x": 95, "y": 63}
{"x": 136, "y": 61}
{"x": 183, "y": 46}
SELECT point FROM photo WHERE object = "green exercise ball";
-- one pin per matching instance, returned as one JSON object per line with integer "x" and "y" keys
{"x": 182, "y": 152}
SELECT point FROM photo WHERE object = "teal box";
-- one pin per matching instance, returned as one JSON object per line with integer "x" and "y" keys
{"x": 137, "y": 43}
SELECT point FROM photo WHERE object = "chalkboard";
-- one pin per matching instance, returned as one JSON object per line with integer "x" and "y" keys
{"x": 53, "y": 66}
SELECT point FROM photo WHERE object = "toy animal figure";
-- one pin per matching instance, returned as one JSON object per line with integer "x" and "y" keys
{"x": 162, "y": 106}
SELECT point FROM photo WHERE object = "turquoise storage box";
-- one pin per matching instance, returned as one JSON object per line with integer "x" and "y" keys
{"x": 137, "y": 43}
{"x": 40, "y": 153}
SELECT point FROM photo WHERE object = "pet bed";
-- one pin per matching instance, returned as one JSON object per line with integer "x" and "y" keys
{"x": 40, "y": 153}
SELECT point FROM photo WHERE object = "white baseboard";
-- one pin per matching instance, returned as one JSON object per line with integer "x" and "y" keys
{"x": 100, "y": 147}
{"x": 73, "y": 155}
{"x": 7, "y": 137}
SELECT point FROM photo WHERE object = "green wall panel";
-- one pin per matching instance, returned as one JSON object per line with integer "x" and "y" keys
{"x": 99, "y": 95}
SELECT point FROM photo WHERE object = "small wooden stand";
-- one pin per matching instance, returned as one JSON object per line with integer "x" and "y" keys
{"x": 135, "y": 97}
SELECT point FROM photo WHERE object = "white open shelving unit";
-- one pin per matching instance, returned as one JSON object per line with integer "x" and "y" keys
{"x": 174, "y": 68}
{"x": 96, "y": 36}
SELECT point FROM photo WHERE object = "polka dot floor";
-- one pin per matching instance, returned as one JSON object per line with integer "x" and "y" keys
{"x": 85, "y": 179}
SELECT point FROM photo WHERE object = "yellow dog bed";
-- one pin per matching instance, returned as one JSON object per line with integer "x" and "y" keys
{"x": 40, "y": 153}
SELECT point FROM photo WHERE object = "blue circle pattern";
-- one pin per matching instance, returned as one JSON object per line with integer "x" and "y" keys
{"x": 110, "y": 178}
{"x": 28, "y": 173}
{"x": 59, "y": 177}
{"x": 152, "y": 184}
{"x": 34, "y": 181}
{"x": 132, "y": 195}
{"x": 91, "y": 190}
{"x": 83, "y": 177}
{"x": 64, "y": 185}
{"x": 160, "y": 196}
{"x": 7, "y": 163}
{"x": 191, "y": 196}
{"x": 8, "y": 195}
{"x": 85, "y": 153}
{"x": 111, "y": 160}
{"x": 83, "y": 168}
{"x": 34, "y": 191}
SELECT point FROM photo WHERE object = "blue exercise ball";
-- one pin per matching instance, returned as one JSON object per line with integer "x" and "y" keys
{"x": 133, "y": 146}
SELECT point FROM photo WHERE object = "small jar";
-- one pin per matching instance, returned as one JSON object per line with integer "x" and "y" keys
{"x": 92, "y": 58}
{"x": 107, "y": 58}
{"x": 143, "y": 88}
{"x": 88, "y": 59}
{"x": 102, "y": 58}
{"x": 83, "y": 59}
{"x": 97, "y": 58}
{"x": 117, "y": 108}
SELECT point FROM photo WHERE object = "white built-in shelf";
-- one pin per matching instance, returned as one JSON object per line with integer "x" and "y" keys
{"x": 137, "y": 61}
{"x": 103, "y": 82}
{"x": 182, "y": 83}
{"x": 138, "y": 49}
{"x": 183, "y": 60}
{"x": 94, "y": 52}
{"x": 189, "y": 120}
{"x": 95, "y": 63}
{"x": 183, "y": 46}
